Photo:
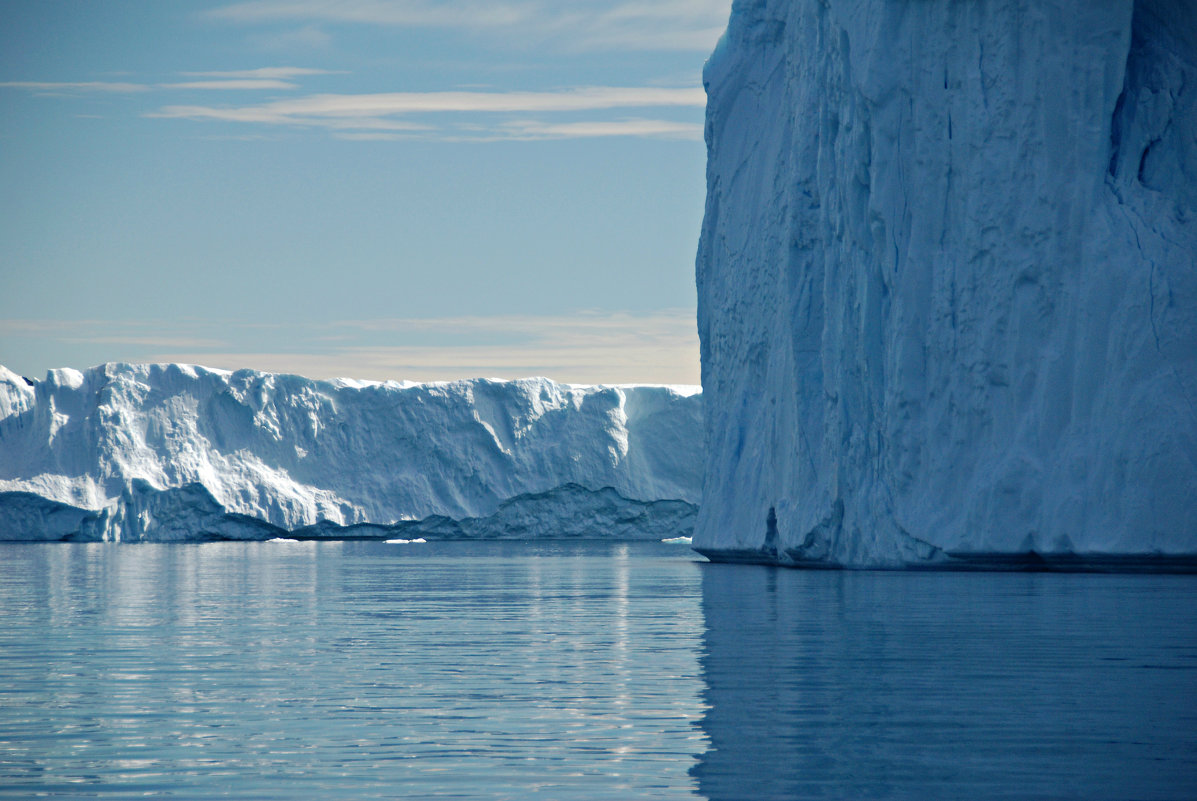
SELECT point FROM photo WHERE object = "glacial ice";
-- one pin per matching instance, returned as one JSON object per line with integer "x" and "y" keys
{"x": 947, "y": 282}
{"x": 135, "y": 452}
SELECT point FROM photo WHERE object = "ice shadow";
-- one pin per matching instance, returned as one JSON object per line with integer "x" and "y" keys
{"x": 845, "y": 684}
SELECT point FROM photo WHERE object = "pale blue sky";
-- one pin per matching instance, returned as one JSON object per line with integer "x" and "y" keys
{"x": 399, "y": 189}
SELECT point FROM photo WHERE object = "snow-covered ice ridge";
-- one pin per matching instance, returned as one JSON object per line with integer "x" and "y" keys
{"x": 947, "y": 282}
{"x": 135, "y": 452}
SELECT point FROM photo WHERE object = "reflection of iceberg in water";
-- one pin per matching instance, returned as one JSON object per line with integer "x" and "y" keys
{"x": 866, "y": 685}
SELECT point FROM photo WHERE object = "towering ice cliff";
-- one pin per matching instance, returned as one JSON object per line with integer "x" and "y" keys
{"x": 948, "y": 281}
{"x": 167, "y": 452}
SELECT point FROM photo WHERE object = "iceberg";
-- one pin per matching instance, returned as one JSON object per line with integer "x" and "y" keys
{"x": 947, "y": 284}
{"x": 170, "y": 452}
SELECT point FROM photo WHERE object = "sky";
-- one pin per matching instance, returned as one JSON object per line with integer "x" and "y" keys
{"x": 382, "y": 189}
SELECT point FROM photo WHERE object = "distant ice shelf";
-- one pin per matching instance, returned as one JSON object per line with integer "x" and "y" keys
{"x": 170, "y": 452}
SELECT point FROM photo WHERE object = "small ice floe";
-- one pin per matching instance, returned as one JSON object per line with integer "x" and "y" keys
{"x": 678, "y": 540}
{"x": 406, "y": 542}
{"x": 281, "y": 539}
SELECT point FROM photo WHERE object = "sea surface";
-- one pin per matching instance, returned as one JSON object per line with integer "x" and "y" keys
{"x": 347, "y": 670}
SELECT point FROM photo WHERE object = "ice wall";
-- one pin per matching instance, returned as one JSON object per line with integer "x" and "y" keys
{"x": 168, "y": 452}
{"x": 946, "y": 282}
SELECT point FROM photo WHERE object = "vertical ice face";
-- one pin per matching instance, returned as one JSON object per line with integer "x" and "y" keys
{"x": 947, "y": 279}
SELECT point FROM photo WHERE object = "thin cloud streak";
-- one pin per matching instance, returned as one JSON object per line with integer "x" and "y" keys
{"x": 664, "y": 322}
{"x": 588, "y": 347}
{"x": 664, "y": 129}
{"x": 567, "y": 365}
{"x": 309, "y": 37}
{"x": 380, "y": 12}
{"x": 634, "y": 364}
{"x": 649, "y": 25}
{"x": 264, "y": 78}
{"x": 383, "y": 116}
{"x": 263, "y": 73}
{"x": 698, "y": 40}
{"x": 152, "y": 341}
{"x": 375, "y": 112}
{"x": 368, "y": 136}
{"x": 588, "y": 98}
{"x": 238, "y": 84}
{"x": 76, "y": 86}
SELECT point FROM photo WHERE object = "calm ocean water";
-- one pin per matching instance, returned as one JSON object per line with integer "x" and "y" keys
{"x": 580, "y": 671}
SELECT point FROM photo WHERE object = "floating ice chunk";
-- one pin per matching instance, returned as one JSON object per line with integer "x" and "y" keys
{"x": 281, "y": 539}
{"x": 677, "y": 540}
{"x": 406, "y": 542}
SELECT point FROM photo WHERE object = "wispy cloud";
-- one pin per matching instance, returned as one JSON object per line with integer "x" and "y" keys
{"x": 238, "y": 84}
{"x": 372, "y": 136}
{"x": 261, "y": 79}
{"x": 663, "y": 129}
{"x": 64, "y": 87}
{"x": 373, "y": 106}
{"x": 152, "y": 333}
{"x": 378, "y": 112}
{"x": 152, "y": 341}
{"x": 482, "y": 116}
{"x": 596, "y": 365}
{"x": 584, "y": 324}
{"x": 263, "y": 73}
{"x": 589, "y": 24}
{"x": 381, "y": 12}
{"x": 308, "y": 37}
{"x": 589, "y": 347}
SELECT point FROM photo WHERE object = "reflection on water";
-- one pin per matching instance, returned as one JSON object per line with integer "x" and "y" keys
{"x": 581, "y": 671}
{"x": 349, "y": 670}
{"x": 963, "y": 686}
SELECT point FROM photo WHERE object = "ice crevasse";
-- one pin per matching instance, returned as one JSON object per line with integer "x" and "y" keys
{"x": 153, "y": 452}
{"x": 947, "y": 282}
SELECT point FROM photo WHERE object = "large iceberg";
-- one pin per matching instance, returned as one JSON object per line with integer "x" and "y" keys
{"x": 175, "y": 452}
{"x": 947, "y": 282}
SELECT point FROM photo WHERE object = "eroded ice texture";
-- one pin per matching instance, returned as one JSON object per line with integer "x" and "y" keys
{"x": 947, "y": 285}
{"x": 169, "y": 452}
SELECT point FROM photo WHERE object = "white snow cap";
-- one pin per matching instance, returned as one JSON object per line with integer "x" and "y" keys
{"x": 166, "y": 451}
